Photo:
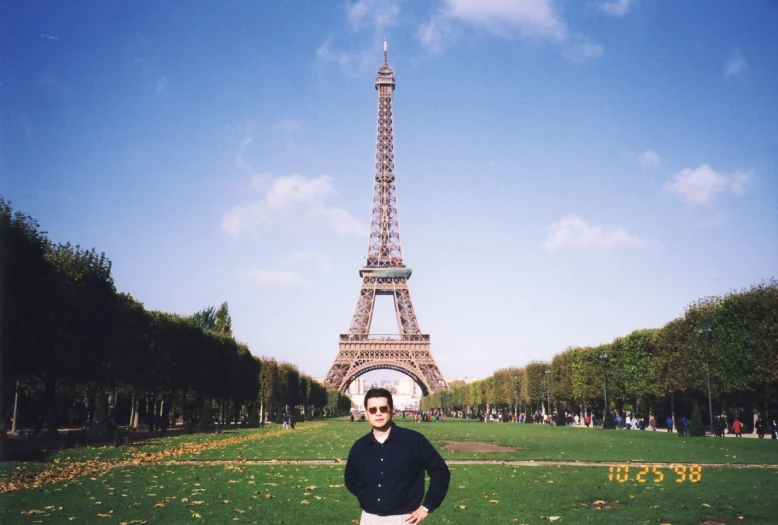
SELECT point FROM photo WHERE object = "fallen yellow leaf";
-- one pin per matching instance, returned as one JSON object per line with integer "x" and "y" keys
{"x": 494, "y": 501}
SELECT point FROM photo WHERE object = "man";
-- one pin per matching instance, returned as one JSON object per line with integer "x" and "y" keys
{"x": 385, "y": 469}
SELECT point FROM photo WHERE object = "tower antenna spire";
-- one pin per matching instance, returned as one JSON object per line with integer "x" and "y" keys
{"x": 386, "y": 58}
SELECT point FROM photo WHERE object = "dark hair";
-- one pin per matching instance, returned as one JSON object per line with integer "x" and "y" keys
{"x": 379, "y": 392}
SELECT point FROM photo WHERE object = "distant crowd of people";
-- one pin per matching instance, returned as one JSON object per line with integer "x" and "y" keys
{"x": 628, "y": 421}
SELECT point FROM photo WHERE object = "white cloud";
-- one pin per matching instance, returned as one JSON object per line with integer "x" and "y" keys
{"x": 648, "y": 159}
{"x": 240, "y": 160}
{"x": 538, "y": 20}
{"x": 293, "y": 202}
{"x": 326, "y": 54}
{"x": 527, "y": 18}
{"x": 617, "y": 7}
{"x": 700, "y": 186}
{"x": 271, "y": 277}
{"x": 378, "y": 14}
{"x": 355, "y": 63}
{"x": 307, "y": 258}
{"x": 736, "y": 65}
{"x": 371, "y": 18}
{"x": 436, "y": 34}
{"x": 581, "y": 49}
{"x": 575, "y": 233}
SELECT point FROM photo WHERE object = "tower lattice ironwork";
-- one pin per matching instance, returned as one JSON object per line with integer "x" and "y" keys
{"x": 385, "y": 274}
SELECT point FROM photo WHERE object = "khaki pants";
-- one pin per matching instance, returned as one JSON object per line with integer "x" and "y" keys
{"x": 374, "y": 519}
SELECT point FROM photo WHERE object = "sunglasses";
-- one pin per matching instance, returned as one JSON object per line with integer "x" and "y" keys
{"x": 384, "y": 409}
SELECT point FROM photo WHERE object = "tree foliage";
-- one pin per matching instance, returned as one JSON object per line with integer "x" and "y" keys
{"x": 71, "y": 337}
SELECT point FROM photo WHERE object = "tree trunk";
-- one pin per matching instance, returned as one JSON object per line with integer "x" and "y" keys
{"x": 16, "y": 409}
{"x": 50, "y": 405}
{"x": 134, "y": 419}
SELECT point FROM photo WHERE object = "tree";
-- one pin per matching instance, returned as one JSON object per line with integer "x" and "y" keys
{"x": 696, "y": 428}
{"x": 82, "y": 302}
{"x": 562, "y": 379}
{"x": 269, "y": 387}
{"x": 586, "y": 370}
{"x": 212, "y": 319}
{"x": 26, "y": 279}
{"x": 223, "y": 322}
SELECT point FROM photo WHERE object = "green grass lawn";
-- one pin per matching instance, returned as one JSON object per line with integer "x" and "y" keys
{"x": 531, "y": 442}
{"x": 480, "y": 494}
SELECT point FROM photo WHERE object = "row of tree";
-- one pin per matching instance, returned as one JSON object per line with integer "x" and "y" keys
{"x": 74, "y": 350}
{"x": 653, "y": 371}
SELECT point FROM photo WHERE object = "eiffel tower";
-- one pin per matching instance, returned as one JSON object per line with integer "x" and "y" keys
{"x": 385, "y": 274}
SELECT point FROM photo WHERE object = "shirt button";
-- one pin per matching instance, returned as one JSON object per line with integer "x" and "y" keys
{"x": 382, "y": 459}
{"x": 379, "y": 484}
{"x": 379, "y": 499}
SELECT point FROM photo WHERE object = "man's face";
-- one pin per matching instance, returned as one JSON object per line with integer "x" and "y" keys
{"x": 378, "y": 420}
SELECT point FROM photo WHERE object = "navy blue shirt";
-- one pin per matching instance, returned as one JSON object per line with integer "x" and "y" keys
{"x": 388, "y": 478}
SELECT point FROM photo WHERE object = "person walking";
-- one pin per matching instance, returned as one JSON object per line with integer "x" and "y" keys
{"x": 652, "y": 423}
{"x": 737, "y": 427}
{"x": 775, "y": 429}
{"x": 760, "y": 427}
{"x": 587, "y": 420}
{"x": 669, "y": 423}
{"x": 385, "y": 469}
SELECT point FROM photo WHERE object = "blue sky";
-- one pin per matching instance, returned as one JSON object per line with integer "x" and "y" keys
{"x": 567, "y": 171}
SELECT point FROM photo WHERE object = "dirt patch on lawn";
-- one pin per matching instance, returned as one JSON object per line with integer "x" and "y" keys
{"x": 475, "y": 446}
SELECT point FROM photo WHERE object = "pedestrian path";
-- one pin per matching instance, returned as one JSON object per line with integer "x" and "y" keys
{"x": 517, "y": 463}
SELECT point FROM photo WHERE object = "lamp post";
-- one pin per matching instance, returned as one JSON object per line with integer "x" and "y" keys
{"x": 548, "y": 392}
{"x": 516, "y": 397}
{"x": 604, "y": 359}
{"x": 704, "y": 331}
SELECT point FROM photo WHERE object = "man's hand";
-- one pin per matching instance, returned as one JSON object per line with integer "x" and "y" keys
{"x": 417, "y": 516}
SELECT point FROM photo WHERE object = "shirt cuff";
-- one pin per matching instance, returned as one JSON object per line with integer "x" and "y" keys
{"x": 425, "y": 509}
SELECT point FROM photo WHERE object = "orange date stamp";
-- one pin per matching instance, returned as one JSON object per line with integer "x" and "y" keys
{"x": 654, "y": 474}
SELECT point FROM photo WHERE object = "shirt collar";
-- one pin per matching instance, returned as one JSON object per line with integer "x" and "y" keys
{"x": 393, "y": 434}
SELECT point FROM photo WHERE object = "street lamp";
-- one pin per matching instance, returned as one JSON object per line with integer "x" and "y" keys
{"x": 705, "y": 330}
{"x": 548, "y": 391}
{"x": 516, "y": 398}
{"x": 604, "y": 359}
